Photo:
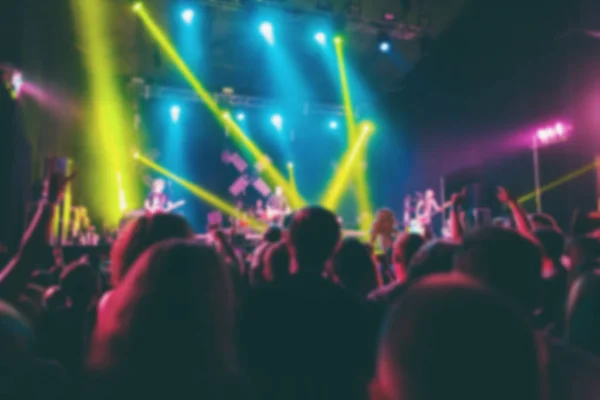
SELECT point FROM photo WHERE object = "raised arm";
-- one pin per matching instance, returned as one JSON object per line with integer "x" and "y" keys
{"x": 15, "y": 274}
{"x": 518, "y": 214}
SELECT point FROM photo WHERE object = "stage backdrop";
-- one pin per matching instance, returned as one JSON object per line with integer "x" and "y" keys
{"x": 186, "y": 139}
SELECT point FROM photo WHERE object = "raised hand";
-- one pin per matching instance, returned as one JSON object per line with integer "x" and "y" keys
{"x": 503, "y": 195}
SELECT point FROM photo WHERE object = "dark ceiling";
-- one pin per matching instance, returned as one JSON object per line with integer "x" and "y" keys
{"x": 231, "y": 54}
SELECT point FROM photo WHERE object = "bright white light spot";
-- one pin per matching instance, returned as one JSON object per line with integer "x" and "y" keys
{"x": 240, "y": 117}
{"x": 333, "y": 124}
{"x": 384, "y": 47}
{"x": 277, "y": 121}
{"x": 266, "y": 30}
{"x": 188, "y": 15}
{"x": 175, "y": 114}
{"x": 321, "y": 38}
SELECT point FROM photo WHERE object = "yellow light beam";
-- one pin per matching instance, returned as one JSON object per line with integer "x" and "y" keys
{"x": 292, "y": 176}
{"x": 558, "y": 182}
{"x": 202, "y": 194}
{"x": 67, "y": 202}
{"x": 109, "y": 134}
{"x": 360, "y": 178}
{"x": 339, "y": 182}
{"x": 222, "y": 116}
{"x": 347, "y": 100}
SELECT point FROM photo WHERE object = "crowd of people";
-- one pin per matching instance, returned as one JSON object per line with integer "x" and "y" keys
{"x": 494, "y": 312}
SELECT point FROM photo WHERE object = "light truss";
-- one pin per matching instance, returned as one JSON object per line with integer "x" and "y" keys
{"x": 226, "y": 99}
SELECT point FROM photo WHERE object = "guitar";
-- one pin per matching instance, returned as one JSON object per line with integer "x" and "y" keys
{"x": 417, "y": 224}
{"x": 275, "y": 214}
{"x": 170, "y": 208}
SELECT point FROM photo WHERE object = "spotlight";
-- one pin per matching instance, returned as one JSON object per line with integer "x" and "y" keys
{"x": 137, "y": 6}
{"x": 16, "y": 82}
{"x": 384, "y": 42}
{"x": 368, "y": 127}
{"x": 266, "y": 29}
{"x": 226, "y": 115}
{"x": 337, "y": 40}
{"x": 136, "y": 155}
{"x": 175, "y": 113}
{"x": 290, "y": 165}
{"x": 240, "y": 116}
{"x": 187, "y": 15}
{"x": 333, "y": 124}
{"x": 321, "y": 38}
{"x": 384, "y": 47}
{"x": 277, "y": 121}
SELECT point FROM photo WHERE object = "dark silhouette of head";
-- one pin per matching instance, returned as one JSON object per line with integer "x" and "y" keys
{"x": 305, "y": 343}
{"x": 552, "y": 241}
{"x": 542, "y": 221}
{"x": 405, "y": 247}
{"x": 80, "y": 281}
{"x": 167, "y": 329}
{"x": 16, "y": 338}
{"x": 450, "y": 338}
{"x": 432, "y": 258}
{"x": 313, "y": 236}
{"x": 138, "y": 235}
{"x": 276, "y": 262}
{"x": 505, "y": 261}
{"x": 354, "y": 267}
{"x": 273, "y": 234}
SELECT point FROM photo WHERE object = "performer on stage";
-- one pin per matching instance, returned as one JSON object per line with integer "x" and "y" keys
{"x": 384, "y": 229}
{"x": 241, "y": 219}
{"x": 277, "y": 207}
{"x": 426, "y": 208}
{"x": 157, "y": 200}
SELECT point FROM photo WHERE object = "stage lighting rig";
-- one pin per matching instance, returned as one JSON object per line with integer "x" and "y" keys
{"x": 353, "y": 9}
{"x": 324, "y": 5}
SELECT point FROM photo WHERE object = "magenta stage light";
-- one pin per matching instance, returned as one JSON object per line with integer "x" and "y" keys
{"x": 17, "y": 82}
{"x": 554, "y": 133}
